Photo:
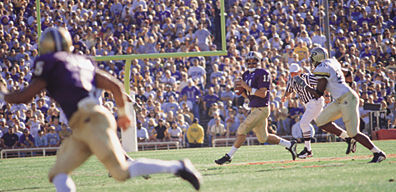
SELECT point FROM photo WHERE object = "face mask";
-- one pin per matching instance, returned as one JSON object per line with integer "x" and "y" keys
{"x": 252, "y": 69}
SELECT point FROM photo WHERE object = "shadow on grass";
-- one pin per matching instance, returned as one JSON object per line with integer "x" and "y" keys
{"x": 27, "y": 188}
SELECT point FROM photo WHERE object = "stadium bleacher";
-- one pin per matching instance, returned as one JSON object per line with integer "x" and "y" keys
{"x": 362, "y": 39}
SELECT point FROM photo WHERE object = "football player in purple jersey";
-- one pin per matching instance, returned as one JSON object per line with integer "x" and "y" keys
{"x": 257, "y": 83}
{"x": 70, "y": 80}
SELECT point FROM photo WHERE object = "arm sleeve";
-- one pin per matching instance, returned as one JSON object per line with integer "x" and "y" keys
{"x": 311, "y": 79}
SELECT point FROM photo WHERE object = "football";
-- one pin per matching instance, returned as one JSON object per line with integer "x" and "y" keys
{"x": 239, "y": 90}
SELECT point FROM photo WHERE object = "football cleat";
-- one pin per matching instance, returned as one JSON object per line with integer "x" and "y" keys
{"x": 351, "y": 145}
{"x": 378, "y": 157}
{"x": 189, "y": 173}
{"x": 225, "y": 159}
{"x": 304, "y": 153}
{"x": 292, "y": 149}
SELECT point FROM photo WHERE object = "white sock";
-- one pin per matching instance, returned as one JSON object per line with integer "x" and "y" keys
{"x": 344, "y": 135}
{"x": 285, "y": 143}
{"x": 130, "y": 160}
{"x": 145, "y": 166}
{"x": 63, "y": 183}
{"x": 232, "y": 151}
{"x": 308, "y": 145}
{"x": 375, "y": 149}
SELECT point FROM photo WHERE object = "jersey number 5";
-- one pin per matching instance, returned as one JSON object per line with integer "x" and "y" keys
{"x": 39, "y": 68}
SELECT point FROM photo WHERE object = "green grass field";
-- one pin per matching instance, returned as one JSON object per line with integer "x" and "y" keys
{"x": 254, "y": 168}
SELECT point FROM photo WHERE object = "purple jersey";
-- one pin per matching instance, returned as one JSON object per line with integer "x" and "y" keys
{"x": 69, "y": 78}
{"x": 258, "y": 79}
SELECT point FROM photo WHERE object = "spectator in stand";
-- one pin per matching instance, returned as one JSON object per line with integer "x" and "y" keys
{"x": 197, "y": 72}
{"x": 168, "y": 79}
{"x": 301, "y": 50}
{"x": 227, "y": 95}
{"x": 26, "y": 140}
{"x": 151, "y": 128}
{"x": 10, "y": 140}
{"x": 160, "y": 132}
{"x": 317, "y": 37}
{"x": 209, "y": 99}
{"x": 232, "y": 122}
{"x": 41, "y": 140}
{"x": 193, "y": 94}
{"x": 141, "y": 132}
{"x": 195, "y": 134}
{"x": 217, "y": 129}
{"x": 52, "y": 137}
{"x": 203, "y": 37}
{"x": 175, "y": 132}
{"x": 172, "y": 105}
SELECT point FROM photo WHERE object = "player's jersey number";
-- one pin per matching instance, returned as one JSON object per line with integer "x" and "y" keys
{"x": 38, "y": 70}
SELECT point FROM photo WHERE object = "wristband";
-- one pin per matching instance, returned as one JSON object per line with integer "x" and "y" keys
{"x": 253, "y": 91}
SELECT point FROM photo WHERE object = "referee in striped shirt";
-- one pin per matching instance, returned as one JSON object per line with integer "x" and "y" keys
{"x": 313, "y": 106}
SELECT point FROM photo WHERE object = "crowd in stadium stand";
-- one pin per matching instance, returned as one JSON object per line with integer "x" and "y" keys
{"x": 192, "y": 99}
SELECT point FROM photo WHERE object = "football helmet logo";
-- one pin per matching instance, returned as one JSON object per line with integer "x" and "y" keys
{"x": 253, "y": 55}
{"x": 54, "y": 40}
{"x": 318, "y": 54}
{"x": 252, "y": 59}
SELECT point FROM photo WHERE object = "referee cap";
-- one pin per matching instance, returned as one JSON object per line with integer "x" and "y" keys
{"x": 294, "y": 68}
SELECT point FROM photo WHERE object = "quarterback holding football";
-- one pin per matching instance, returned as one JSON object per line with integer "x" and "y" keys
{"x": 255, "y": 86}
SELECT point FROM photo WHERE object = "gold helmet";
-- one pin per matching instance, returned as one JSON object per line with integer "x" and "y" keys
{"x": 318, "y": 54}
{"x": 54, "y": 40}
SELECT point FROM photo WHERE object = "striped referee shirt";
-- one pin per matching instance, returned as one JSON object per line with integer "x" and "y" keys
{"x": 304, "y": 95}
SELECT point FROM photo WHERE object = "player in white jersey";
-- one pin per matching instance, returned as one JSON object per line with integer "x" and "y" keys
{"x": 313, "y": 106}
{"x": 346, "y": 103}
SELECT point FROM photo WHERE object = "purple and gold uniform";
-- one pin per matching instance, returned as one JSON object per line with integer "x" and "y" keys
{"x": 258, "y": 79}
{"x": 74, "y": 73}
{"x": 257, "y": 119}
{"x": 70, "y": 81}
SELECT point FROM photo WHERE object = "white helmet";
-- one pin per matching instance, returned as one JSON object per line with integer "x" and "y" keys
{"x": 318, "y": 54}
{"x": 255, "y": 56}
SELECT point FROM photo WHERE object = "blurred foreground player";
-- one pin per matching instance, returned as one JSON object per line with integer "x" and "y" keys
{"x": 256, "y": 85}
{"x": 346, "y": 103}
{"x": 71, "y": 79}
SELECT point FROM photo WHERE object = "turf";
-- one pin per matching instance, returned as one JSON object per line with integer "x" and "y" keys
{"x": 254, "y": 168}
